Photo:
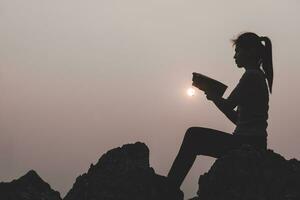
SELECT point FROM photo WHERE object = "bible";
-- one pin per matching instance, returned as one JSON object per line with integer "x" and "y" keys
{"x": 208, "y": 85}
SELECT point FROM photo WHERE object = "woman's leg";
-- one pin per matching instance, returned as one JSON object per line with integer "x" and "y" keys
{"x": 199, "y": 141}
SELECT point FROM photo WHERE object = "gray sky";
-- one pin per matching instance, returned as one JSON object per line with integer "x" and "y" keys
{"x": 78, "y": 78}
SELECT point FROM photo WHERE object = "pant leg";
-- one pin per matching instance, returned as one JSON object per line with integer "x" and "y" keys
{"x": 199, "y": 141}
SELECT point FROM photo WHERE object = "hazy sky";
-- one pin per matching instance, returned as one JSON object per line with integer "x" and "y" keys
{"x": 78, "y": 78}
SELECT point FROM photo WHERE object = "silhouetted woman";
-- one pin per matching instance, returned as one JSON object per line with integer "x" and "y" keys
{"x": 250, "y": 96}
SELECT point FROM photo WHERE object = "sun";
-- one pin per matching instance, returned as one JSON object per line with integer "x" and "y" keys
{"x": 190, "y": 92}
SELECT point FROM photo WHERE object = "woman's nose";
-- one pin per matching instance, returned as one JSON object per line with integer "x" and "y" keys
{"x": 235, "y": 55}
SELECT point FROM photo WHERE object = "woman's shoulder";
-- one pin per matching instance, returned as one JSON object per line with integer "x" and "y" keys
{"x": 253, "y": 74}
{"x": 254, "y": 71}
{"x": 252, "y": 78}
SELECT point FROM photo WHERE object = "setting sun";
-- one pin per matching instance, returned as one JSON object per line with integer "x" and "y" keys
{"x": 190, "y": 92}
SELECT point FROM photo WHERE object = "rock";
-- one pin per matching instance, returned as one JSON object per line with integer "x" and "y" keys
{"x": 28, "y": 187}
{"x": 123, "y": 173}
{"x": 249, "y": 174}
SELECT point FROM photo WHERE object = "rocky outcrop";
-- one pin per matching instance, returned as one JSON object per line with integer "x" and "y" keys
{"x": 123, "y": 173}
{"x": 248, "y": 174}
{"x": 28, "y": 187}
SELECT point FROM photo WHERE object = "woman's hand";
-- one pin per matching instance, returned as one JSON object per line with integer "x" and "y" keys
{"x": 212, "y": 97}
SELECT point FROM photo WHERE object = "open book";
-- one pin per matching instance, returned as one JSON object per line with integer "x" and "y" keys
{"x": 208, "y": 85}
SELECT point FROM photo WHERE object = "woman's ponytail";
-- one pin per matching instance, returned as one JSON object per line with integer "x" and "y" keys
{"x": 267, "y": 62}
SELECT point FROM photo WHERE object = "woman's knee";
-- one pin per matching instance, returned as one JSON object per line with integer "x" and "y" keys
{"x": 193, "y": 132}
{"x": 193, "y": 140}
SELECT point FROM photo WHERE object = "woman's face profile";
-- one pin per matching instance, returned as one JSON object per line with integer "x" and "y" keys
{"x": 244, "y": 57}
{"x": 241, "y": 57}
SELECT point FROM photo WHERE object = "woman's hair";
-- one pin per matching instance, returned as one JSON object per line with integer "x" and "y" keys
{"x": 263, "y": 52}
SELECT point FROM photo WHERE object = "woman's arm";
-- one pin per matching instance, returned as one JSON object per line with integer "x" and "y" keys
{"x": 225, "y": 106}
{"x": 241, "y": 92}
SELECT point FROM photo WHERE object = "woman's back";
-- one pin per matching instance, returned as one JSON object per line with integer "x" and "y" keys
{"x": 253, "y": 104}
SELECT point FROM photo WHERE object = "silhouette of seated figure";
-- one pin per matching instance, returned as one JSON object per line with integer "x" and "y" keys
{"x": 250, "y": 96}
